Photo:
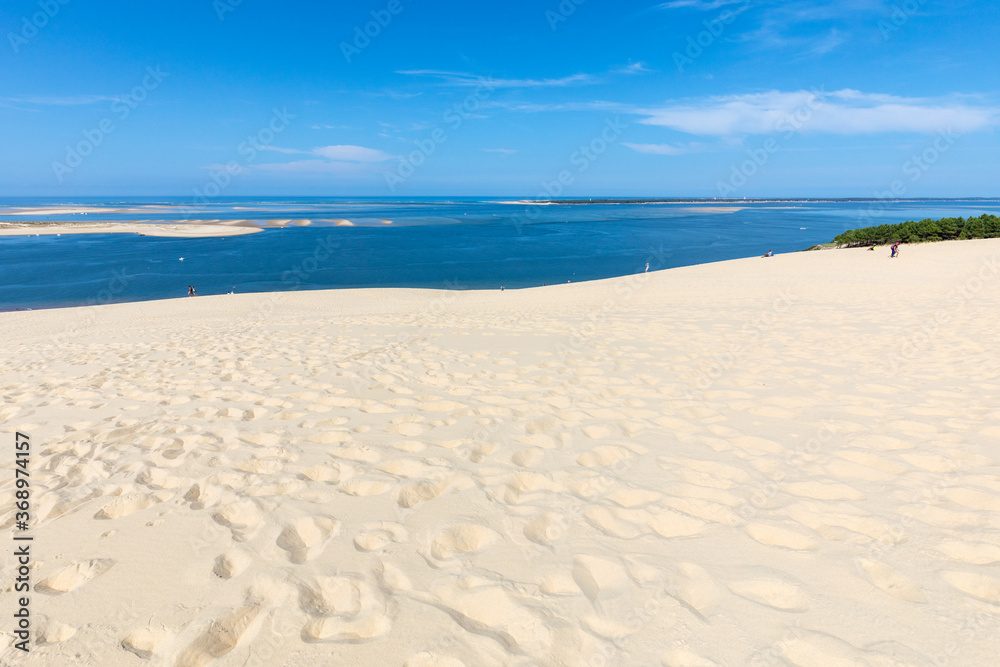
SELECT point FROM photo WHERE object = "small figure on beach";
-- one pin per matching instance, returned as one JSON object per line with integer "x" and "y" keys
{"x": 192, "y": 291}
{"x": 872, "y": 248}
{"x": 769, "y": 253}
{"x": 501, "y": 288}
{"x": 647, "y": 268}
{"x": 895, "y": 250}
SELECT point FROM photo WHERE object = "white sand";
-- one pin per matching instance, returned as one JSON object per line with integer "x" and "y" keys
{"x": 785, "y": 461}
{"x": 178, "y": 230}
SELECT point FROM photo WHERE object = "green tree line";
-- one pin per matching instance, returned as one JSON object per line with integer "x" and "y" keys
{"x": 985, "y": 226}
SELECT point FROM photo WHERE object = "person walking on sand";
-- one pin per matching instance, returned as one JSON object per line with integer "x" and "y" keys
{"x": 895, "y": 250}
{"x": 647, "y": 268}
{"x": 190, "y": 291}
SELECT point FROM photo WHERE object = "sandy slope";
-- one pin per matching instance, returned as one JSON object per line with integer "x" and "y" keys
{"x": 786, "y": 461}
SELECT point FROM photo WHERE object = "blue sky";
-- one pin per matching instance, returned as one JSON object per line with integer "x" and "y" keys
{"x": 575, "y": 98}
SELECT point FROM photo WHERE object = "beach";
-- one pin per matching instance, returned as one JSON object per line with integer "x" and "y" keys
{"x": 196, "y": 229}
{"x": 766, "y": 461}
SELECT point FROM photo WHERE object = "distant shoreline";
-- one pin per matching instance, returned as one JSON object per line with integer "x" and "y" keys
{"x": 655, "y": 200}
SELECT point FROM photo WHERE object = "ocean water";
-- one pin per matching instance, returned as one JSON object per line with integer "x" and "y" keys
{"x": 462, "y": 243}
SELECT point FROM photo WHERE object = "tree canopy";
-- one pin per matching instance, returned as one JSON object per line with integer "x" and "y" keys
{"x": 985, "y": 226}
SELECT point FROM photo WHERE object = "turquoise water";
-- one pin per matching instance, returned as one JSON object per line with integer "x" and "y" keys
{"x": 461, "y": 243}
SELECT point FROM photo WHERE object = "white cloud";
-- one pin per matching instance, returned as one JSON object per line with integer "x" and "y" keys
{"x": 844, "y": 112}
{"x": 352, "y": 154}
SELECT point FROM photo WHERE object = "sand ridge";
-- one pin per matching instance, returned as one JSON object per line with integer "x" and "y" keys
{"x": 751, "y": 462}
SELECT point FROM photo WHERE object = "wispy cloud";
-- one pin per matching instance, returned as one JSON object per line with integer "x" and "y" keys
{"x": 352, "y": 154}
{"x": 700, "y": 5}
{"x": 846, "y": 112}
{"x": 58, "y": 100}
{"x": 666, "y": 149}
{"x": 472, "y": 80}
{"x": 632, "y": 68}
{"x": 343, "y": 159}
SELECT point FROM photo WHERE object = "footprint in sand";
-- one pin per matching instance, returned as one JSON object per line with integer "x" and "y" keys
{"x": 599, "y": 578}
{"x": 605, "y": 456}
{"x": 979, "y": 586}
{"x": 776, "y": 536}
{"x": 124, "y": 505}
{"x": 772, "y": 593}
{"x": 222, "y": 635}
{"x": 611, "y": 523}
{"x": 890, "y": 581}
{"x": 670, "y": 524}
{"x": 146, "y": 642}
{"x": 464, "y": 539}
{"x": 343, "y": 609}
{"x": 73, "y": 576}
{"x": 331, "y": 473}
{"x": 231, "y": 564}
{"x": 391, "y": 579}
{"x": 546, "y": 528}
{"x": 305, "y": 538}
{"x": 490, "y": 611}
{"x": 976, "y": 553}
{"x": 527, "y": 458}
{"x": 375, "y": 536}
{"x": 243, "y": 518}
{"x": 695, "y": 588}
{"x": 606, "y": 628}
{"x": 364, "y": 487}
{"x": 53, "y": 632}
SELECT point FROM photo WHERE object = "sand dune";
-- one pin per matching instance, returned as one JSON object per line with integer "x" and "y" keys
{"x": 783, "y": 461}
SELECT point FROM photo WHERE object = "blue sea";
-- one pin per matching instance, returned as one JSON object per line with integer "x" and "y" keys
{"x": 457, "y": 243}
